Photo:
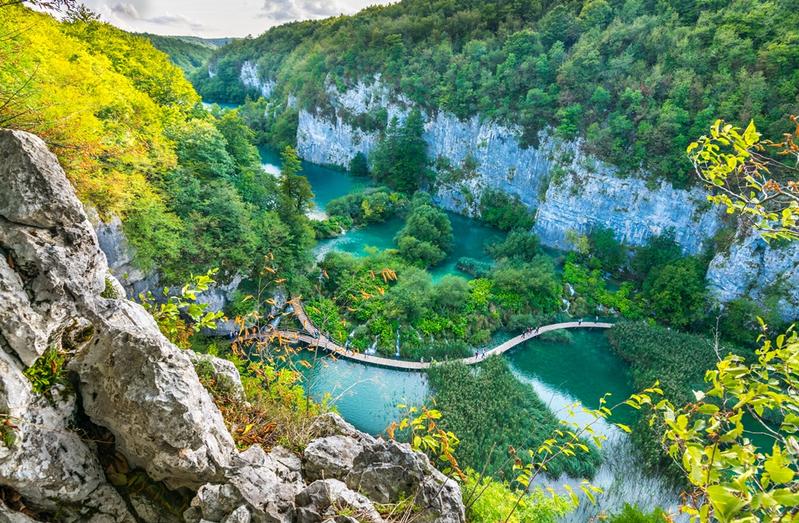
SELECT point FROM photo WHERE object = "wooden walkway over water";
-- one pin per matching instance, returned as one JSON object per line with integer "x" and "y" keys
{"x": 312, "y": 337}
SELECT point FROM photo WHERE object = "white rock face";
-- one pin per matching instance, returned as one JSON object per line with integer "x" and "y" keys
{"x": 331, "y": 143}
{"x": 326, "y": 141}
{"x": 132, "y": 380}
{"x": 121, "y": 258}
{"x": 751, "y": 267}
{"x": 590, "y": 195}
{"x": 249, "y": 77}
{"x": 171, "y": 427}
{"x": 583, "y": 201}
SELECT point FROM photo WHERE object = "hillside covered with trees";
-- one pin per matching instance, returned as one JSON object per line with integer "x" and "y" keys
{"x": 637, "y": 79}
{"x": 134, "y": 140}
{"x": 187, "y": 52}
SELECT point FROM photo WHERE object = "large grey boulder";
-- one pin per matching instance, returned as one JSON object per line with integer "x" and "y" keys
{"x": 132, "y": 381}
{"x": 262, "y": 485}
{"x": 170, "y": 427}
{"x": 50, "y": 258}
{"x": 42, "y": 459}
{"x": 331, "y": 424}
{"x": 330, "y": 457}
{"x": 324, "y": 500}
{"x": 387, "y": 471}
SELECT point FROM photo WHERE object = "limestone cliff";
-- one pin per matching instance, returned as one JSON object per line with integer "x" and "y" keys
{"x": 249, "y": 78}
{"x": 128, "y": 388}
{"x": 753, "y": 268}
{"x": 568, "y": 189}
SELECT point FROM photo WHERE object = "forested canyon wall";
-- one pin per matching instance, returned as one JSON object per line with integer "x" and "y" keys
{"x": 567, "y": 188}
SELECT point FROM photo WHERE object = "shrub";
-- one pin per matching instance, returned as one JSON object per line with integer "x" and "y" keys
{"x": 504, "y": 211}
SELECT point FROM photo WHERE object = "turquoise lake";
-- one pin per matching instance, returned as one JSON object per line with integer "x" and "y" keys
{"x": 561, "y": 373}
{"x": 471, "y": 236}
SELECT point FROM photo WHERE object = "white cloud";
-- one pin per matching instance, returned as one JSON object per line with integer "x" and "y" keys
{"x": 290, "y": 10}
{"x": 214, "y": 18}
{"x": 130, "y": 14}
{"x": 125, "y": 9}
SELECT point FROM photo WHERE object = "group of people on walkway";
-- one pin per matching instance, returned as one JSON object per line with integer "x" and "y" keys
{"x": 480, "y": 354}
{"x": 530, "y": 332}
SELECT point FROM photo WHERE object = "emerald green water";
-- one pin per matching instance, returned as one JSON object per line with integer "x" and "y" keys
{"x": 561, "y": 373}
{"x": 367, "y": 397}
{"x": 471, "y": 236}
{"x": 328, "y": 184}
{"x": 580, "y": 371}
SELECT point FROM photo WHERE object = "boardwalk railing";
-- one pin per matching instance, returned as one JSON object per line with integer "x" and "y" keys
{"x": 313, "y": 337}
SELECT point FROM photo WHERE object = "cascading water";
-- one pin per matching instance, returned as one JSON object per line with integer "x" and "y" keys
{"x": 372, "y": 348}
{"x": 620, "y": 475}
{"x": 397, "y": 354}
{"x": 349, "y": 339}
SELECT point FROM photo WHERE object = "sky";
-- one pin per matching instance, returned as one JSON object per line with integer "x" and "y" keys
{"x": 217, "y": 18}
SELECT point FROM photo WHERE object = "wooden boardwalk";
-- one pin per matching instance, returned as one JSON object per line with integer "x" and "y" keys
{"x": 313, "y": 338}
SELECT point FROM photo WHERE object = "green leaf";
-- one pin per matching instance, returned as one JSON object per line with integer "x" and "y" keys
{"x": 776, "y": 467}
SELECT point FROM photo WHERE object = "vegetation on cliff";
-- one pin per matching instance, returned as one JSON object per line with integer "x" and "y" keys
{"x": 638, "y": 79}
{"x": 135, "y": 142}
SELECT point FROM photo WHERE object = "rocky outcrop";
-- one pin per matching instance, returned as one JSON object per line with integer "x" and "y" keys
{"x": 634, "y": 210}
{"x": 224, "y": 373}
{"x": 384, "y": 471}
{"x": 326, "y": 500}
{"x": 120, "y": 256}
{"x": 249, "y": 78}
{"x": 566, "y": 188}
{"x": 124, "y": 379}
{"x": 755, "y": 269}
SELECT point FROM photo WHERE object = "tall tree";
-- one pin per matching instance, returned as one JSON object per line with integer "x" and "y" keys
{"x": 295, "y": 190}
{"x": 400, "y": 160}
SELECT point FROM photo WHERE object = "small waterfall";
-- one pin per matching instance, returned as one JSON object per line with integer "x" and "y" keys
{"x": 398, "y": 343}
{"x": 349, "y": 340}
{"x": 372, "y": 348}
{"x": 620, "y": 475}
{"x": 566, "y": 305}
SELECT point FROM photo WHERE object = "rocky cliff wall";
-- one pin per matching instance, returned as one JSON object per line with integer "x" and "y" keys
{"x": 584, "y": 193}
{"x": 249, "y": 78}
{"x": 755, "y": 269}
{"x": 139, "y": 394}
{"x": 567, "y": 189}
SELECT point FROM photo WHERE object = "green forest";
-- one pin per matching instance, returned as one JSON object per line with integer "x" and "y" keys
{"x": 638, "y": 79}
{"x": 136, "y": 142}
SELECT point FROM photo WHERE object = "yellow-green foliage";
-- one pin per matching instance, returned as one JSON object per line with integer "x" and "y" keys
{"x": 47, "y": 371}
{"x": 100, "y": 115}
{"x": 135, "y": 142}
{"x": 489, "y": 501}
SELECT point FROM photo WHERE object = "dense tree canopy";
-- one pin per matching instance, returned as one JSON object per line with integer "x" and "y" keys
{"x": 427, "y": 236}
{"x": 639, "y": 79}
{"x": 135, "y": 142}
{"x": 400, "y": 159}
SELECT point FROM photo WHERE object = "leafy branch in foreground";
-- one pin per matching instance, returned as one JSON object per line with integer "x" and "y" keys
{"x": 423, "y": 429}
{"x": 738, "y": 167}
{"x": 733, "y": 479}
{"x": 168, "y": 314}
